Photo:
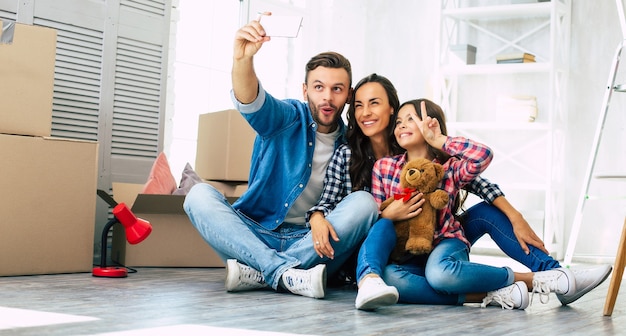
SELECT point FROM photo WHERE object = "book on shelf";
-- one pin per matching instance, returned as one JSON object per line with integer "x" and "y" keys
{"x": 515, "y": 58}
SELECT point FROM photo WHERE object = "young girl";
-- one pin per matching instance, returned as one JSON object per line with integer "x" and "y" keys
{"x": 447, "y": 276}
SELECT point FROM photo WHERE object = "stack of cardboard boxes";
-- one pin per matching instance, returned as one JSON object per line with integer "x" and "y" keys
{"x": 225, "y": 141}
{"x": 224, "y": 149}
{"x": 49, "y": 184}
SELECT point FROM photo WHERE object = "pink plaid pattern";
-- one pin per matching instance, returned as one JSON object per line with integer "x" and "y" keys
{"x": 468, "y": 160}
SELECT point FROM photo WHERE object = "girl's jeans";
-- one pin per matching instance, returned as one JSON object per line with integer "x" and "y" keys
{"x": 484, "y": 218}
{"x": 449, "y": 272}
{"x": 452, "y": 275}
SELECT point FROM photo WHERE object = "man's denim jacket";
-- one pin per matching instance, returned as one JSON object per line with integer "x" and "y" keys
{"x": 281, "y": 158}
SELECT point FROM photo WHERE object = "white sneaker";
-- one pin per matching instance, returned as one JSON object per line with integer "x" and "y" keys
{"x": 374, "y": 293}
{"x": 514, "y": 296}
{"x": 309, "y": 283}
{"x": 586, "y": 280}
{"x": 240, "y": 277}
{"x": 560, "y": 281}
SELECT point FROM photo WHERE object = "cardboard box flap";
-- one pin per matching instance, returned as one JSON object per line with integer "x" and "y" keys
{"x": 163, "y": 204}
{"x": 159, "y": 204}
{"x": 126, "y": 192}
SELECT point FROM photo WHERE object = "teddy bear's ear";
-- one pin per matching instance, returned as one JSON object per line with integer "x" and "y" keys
{"x": 439, "y": 171}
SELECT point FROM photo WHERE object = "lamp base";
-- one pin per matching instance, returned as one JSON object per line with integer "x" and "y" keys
{"x": 110, "y": 272}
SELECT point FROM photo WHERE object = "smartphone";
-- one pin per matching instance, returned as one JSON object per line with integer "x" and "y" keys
{"x": 281, "y": 26}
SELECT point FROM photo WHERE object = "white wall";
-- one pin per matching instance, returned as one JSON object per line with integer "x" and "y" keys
{"x": 397, "y": 39}
{"x": 199, "y": 80}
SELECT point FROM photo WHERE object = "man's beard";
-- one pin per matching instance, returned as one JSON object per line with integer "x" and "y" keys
{"x": 315, "y": 113}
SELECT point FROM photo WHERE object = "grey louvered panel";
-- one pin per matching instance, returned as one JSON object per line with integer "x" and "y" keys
{"x": 83, "y": 38}
{"x": 135, "y": 135}
{"x": 69, "y": 80}
{"x": 7, "y": 15}
{"x": 8, "y": 9}
{"x": 77, "y": 60}
{"x": 138, "y": 48}
{"x": 137, "y": 76}
{"x": 137, "y": 98}
{"x": 78, "y": 69}
{"x": 144, "y": 51}
{"x": 132, "y": 112}
{"x": 135, "y": 138}
{"x": 77, "y": 90}
{"x": 131, "y": 141}
{"x": 137, "y": 95}
{"x": 127, "y": 125}
{"x": 150, "y": 6}
{"x": 75, "y": 73}
{"x": 130, "y": 102}
{"x": 147, "y": 86}
{"x": 74, "y": 104}
{"x": 143, "y": 69}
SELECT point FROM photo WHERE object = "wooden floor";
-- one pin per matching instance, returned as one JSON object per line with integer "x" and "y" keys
{"x": 192, "y": 301}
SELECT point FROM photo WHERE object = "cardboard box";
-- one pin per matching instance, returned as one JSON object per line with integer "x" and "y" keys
{"x": 27, "y": 56}
{"x": 174, "y": 241}
{"x": 49, "y": 205}
{"x": 225, "y": 141}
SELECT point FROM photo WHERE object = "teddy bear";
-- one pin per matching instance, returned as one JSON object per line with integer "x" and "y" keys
{"x": 415, "y": 235}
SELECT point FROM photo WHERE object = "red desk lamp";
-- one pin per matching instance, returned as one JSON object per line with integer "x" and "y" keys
{"x": 136, "y": 229}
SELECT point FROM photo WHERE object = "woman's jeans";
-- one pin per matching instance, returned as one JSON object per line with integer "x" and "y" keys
{"x": 376, "y": 248}
{"x": 484, "y": 218}
{"x": 234, "y": 236}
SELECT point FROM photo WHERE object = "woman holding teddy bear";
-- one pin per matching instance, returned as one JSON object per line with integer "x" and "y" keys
{"x": 370, "y": 137}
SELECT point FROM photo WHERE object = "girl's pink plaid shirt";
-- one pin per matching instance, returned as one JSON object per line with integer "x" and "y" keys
{"x": 468, "y": 159}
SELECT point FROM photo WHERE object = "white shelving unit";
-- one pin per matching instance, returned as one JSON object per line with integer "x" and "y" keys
{"x": 528, "y": 162}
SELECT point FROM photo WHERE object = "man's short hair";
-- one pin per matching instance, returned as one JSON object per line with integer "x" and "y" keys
{"x": 328, "y": 59}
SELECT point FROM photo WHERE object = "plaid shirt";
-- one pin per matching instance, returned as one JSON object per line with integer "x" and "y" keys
{"x": 337, "y": 183}
{"x": 468, "y": 159}
{"x": 484, "y": 189}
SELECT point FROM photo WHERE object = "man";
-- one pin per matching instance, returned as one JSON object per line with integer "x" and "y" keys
{"x": 264, "y": 236}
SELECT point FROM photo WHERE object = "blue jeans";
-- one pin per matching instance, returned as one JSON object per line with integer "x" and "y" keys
{"x": 446, "y": 277}
{"x": 484, "y": 218}
{"x": 376, "y": 248}
{"x": 235, "y": 236}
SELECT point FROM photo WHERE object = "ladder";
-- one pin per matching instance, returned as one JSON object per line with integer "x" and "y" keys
{"x": 610, "y": 88}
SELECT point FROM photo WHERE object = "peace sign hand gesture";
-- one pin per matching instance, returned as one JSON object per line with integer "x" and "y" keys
{"x": 430, "y": 128}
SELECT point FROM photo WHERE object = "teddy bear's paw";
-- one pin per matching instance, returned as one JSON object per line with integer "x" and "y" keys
{"x": 419, "y": 246}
